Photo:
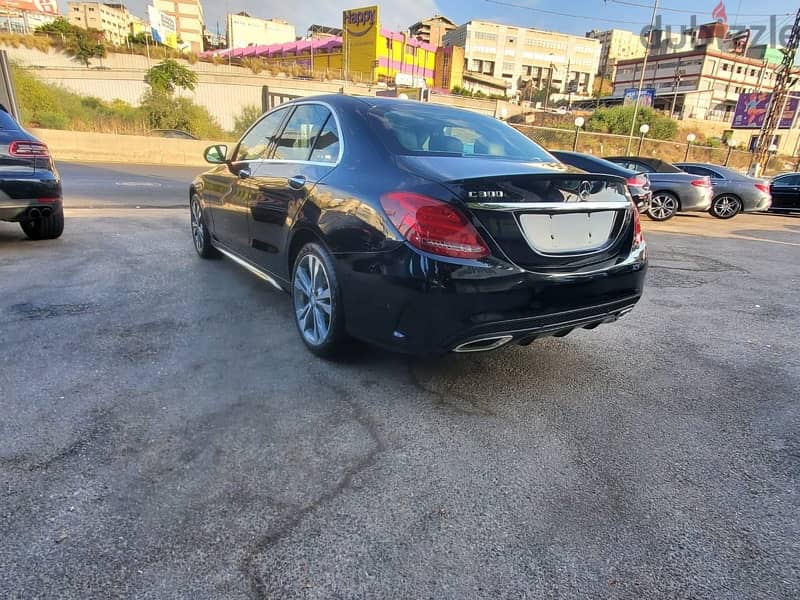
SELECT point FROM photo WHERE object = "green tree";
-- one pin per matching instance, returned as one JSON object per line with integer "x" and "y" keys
{"x": 59, "y": 25}
{"x": 169, "y": 75}
{"x": 86, "y": 44}
{"x": 617, "y": 119}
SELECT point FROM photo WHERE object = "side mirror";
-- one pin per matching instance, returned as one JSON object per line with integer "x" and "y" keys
{"x": 216, "y": 155}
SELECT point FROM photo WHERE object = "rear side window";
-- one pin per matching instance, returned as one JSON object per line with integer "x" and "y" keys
{"x": 326, "y": 148}
{"x": 7, "y": 121}
{"x": 419, "y": 129}
{"x": 301, "y": 132}
{"x": 787, "y": 180}
{"x": 256, "y": 142}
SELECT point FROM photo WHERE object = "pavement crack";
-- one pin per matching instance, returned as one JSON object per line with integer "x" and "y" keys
{"x": 259, "y": 586}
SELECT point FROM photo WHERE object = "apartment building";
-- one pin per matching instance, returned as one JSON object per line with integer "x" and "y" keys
{"x": 433, "y": 30}
{"x": 518, "y": 55}
{"x": 189, "y": 20}
{"x": 699, "y": 73}
{"x": 244, "y": 30}
{"x": 702, "y": 83}
{"x": 114, "y": 20}
{"x": 616, "y": 45}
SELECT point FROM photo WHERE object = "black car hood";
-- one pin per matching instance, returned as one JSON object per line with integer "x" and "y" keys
{"x": 455, "y": 168}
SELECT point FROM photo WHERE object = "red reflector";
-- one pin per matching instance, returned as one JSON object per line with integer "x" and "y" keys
{"x": 433, "y": 226}
{"x": 762, "y": 187}
{"x": 702, "y": 182}
{"x": 638, "y": 236}
{"x": 27, "y": 149}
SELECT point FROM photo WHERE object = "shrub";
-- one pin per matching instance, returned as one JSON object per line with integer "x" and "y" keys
{"x": 256, "y": 65}
{"x": 617, "y": 119}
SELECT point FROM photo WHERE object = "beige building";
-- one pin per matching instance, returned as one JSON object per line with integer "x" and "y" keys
{"x": 113, "y": 20}
{"x": 616, "y": 45}
{"x": 433, "y": 30}
{"x": 703, "y": 83}
{"x": 518, "y": 55}
{"x": 189, "y": 20}
{"x": 244, "y": 30}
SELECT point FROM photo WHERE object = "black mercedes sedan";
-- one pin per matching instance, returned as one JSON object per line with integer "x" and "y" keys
{"x": 30, "y": 187}
{"x": 418, "y": 228}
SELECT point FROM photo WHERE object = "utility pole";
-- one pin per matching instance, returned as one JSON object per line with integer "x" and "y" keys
{"x": 675, "y": 85}
{"x": 780, "y": 96}
{"x": 641, "y": 77}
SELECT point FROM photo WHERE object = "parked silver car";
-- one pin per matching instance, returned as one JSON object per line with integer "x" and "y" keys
{"x": 733, "y": 192}
{"x": 673, "y": 190}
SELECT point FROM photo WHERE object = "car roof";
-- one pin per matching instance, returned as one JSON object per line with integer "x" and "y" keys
{"x": 656, "y": 163}
{"x": 727, "y": 171}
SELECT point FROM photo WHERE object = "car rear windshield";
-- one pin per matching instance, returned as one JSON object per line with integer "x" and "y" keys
{"x": 416, "y": 129}
{"x": 7, "y": 121}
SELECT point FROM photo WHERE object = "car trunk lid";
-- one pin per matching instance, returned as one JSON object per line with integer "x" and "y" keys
{"x": 546, "y": 218}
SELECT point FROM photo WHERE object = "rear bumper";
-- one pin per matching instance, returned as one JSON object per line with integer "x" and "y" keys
{"x": 21, "y": 210}
{"x": 642, "y": 202}
{"x": 406, "y": 301}
{"x": 757, "y": 204}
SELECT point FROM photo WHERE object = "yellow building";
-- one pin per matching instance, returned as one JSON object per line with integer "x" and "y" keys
{"x": 371, "y": 53}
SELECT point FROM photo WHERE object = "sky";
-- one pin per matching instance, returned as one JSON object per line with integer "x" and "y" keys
{"x": 580, "y": 15}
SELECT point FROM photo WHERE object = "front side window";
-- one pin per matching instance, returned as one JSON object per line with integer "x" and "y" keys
{"x": 301, "y": 131}
{"x": 256, "y": 142}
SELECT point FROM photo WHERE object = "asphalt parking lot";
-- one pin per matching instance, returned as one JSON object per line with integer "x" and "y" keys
{"x": 165, "y": 434}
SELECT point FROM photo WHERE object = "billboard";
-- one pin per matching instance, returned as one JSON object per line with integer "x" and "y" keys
{"x": 361, "y": 30}
{"x": 162, "y": 27}
{"x": 646, "y": 99}
{"x": 48, "y": 7}
{"x": 751, "y": 109}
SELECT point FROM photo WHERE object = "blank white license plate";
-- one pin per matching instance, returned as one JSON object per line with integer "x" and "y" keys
{"x": 569, "y": 232}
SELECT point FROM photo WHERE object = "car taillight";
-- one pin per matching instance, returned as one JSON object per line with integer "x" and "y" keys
{"x": 27, "y": 149}
{"x": 638, "y": 180}
{"x": 702, "y": 182}
{"x": 433, "y": 226}
{"x": 638, "y": 236}
{"x": 762, "y": 187}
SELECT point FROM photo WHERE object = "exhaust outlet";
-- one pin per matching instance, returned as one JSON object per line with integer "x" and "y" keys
{"x": 34, "y": 213}
{"x": 46, "y": 212}
{"x": 483, "y": 344}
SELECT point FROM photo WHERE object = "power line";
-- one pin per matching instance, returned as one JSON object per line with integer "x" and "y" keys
{"x": 561, "y": 14}
{"x": 693, "y": 12}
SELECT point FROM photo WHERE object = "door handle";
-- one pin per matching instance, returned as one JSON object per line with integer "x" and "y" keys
{"x": 298, "y": 182}
{"x": 244, "y": 173}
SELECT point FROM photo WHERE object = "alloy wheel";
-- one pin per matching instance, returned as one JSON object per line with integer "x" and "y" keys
{"x": 198, "y": 227}
{"x": 312, "y": 299}
{"x": 726, "y": 207}
{"x": 662, "y": 207}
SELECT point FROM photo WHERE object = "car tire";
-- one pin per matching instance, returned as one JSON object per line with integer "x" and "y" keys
{"x": 45, "y": 228}
{"x": 317, "y": 303}
{"x": 726, "y": 206}
{"x": 663, "y": 206}
{"x": 200, "y": 234}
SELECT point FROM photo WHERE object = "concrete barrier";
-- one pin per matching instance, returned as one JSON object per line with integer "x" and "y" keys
{"x": 112, "y": 148}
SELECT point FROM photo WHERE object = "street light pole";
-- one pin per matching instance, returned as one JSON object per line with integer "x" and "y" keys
{"x": 642, "y": 132}
{"x": 730, "y": 144}
{"x": 641, "y": 77}
{"x": 578, "y": 124}
{"x": 689, "y": 139}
